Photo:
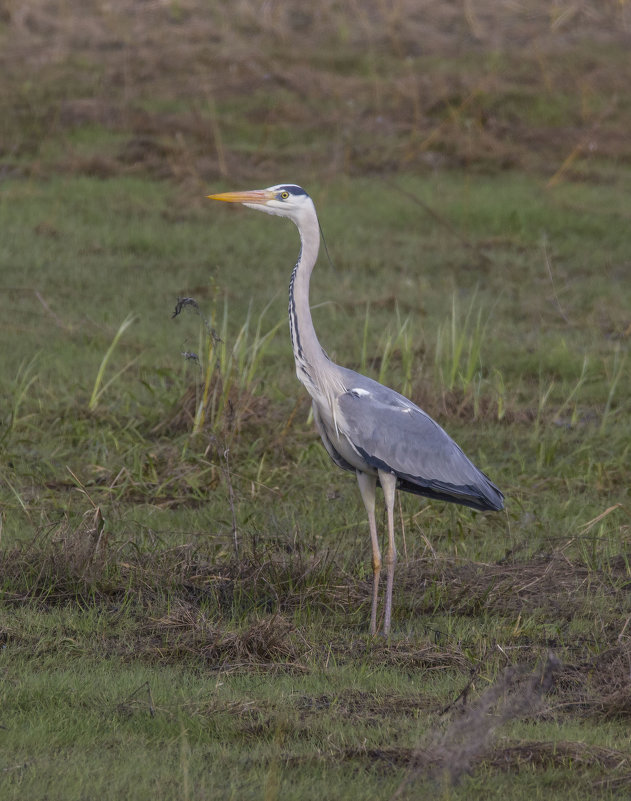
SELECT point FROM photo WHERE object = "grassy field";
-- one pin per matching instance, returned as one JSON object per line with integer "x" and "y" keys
{"x": 184, "y": 575}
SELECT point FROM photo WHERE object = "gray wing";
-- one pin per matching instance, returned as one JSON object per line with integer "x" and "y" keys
{"x": 391, "y": 433}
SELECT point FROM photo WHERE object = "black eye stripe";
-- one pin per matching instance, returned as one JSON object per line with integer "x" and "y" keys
{"x": 291, "y": 189}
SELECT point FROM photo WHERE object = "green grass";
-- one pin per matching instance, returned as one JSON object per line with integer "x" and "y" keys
{"x": 184, "y": 575}
{"x": 152, "y": 604}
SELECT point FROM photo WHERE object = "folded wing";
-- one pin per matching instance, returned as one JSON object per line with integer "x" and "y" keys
{"x": 391, "y": 433}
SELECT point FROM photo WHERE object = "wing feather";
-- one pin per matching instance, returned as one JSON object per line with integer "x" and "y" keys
{"x": 392, "y": 433}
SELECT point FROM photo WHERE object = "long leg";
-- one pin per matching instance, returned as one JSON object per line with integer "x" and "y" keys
{"x": 389, "y": 485}
{"x": 367, "y": 487}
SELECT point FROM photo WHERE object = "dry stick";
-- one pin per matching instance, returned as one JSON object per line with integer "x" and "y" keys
{"x": 624, "y": 628}
{"x": 591, "y": 523}
{"x": 152, "y": 709}
{"x": 554, "y": 289}
{"x": 145, "y": 685}
{"x": 235, "y": 534}
{"x": 439, "y": 219}
{"x": 47, "y": 308}
{"x": 464, "y": 693}
{"x": 99, "y": 536}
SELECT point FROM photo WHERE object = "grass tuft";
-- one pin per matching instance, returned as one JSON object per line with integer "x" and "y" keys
{"x": 99, "y": 388}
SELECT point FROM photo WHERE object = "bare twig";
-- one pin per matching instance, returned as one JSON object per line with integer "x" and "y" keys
{"x": 183, "y": 303}
{"x": 440, "y": 219}
{"x": 47, "y": 308}
{"x": 546, "y": 256}
{"x": 124, "y": 705}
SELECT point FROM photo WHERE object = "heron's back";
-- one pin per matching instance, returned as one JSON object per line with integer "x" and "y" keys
{"x": 389, "y": 432}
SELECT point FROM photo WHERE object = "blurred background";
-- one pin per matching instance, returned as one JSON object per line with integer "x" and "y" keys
{"x": 197, "y": 91}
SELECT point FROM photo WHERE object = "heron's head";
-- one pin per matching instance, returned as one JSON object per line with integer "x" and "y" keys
{"x": 285, "y": 200}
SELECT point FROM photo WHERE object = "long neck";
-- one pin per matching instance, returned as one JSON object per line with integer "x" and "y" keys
{"x": 308, "y": 353}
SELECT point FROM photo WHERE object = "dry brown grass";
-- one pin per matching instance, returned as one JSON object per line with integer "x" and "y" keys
{"x": 580, "y": 757}
{"x": 181, "y": 608}
{"x": 67, "y": 559}
{"x": 598, "y": 686}
{"x": 368, "y": 73}
{"x": 244, "y": 411}
{"x": 515, "y": 694}
{"x": 513, "y": 757}
{"x": 463, "y": 740}
{"x": 450, "y": 751}
{"x": 185, "y": 632}
{"x": 238, "y": 611}
{"x": 549, "y": 583}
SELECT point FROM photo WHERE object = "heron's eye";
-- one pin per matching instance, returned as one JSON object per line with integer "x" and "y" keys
{"x": 284, "y": 195}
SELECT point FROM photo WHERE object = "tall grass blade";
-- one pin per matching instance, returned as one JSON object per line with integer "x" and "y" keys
{"x": 23, "y": 382}
{"x": 229, "y": 370}
{"x": 581, "y": 380}
{"x": 459, "y": 347}
{"x": 99, "y": 388}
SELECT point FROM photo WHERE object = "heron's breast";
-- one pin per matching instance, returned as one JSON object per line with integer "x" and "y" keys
{"x": 341, "y": 439}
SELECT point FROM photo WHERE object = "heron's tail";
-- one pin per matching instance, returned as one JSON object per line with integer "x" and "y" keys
{"x": 483, "y": 495}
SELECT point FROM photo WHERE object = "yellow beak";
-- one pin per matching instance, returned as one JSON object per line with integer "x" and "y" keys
{"x": 254, "y": 196}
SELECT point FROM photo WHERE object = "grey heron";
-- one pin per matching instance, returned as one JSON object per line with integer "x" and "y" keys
{"x": 366, "y": 428}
